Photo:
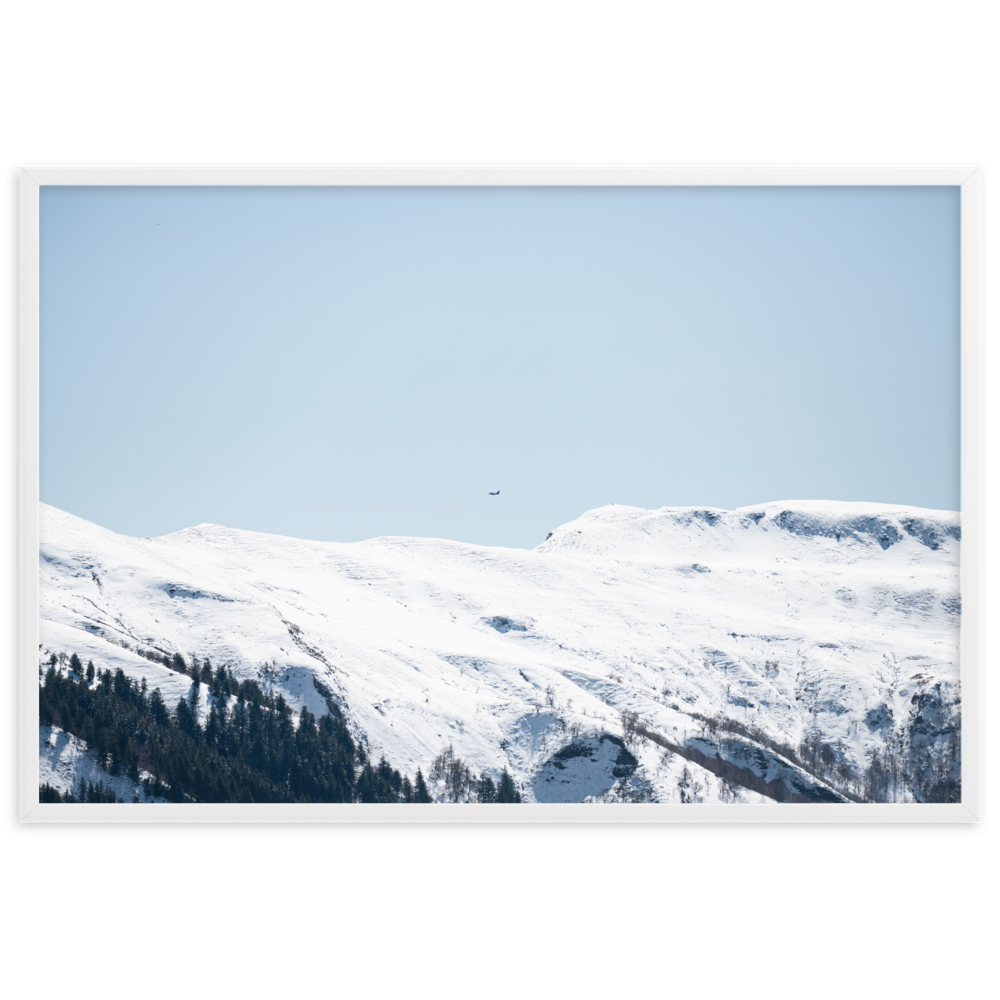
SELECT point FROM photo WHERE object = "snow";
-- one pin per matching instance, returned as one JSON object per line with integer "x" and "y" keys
{"x": 792, "y": 617}
{"x": 64, "y": 760}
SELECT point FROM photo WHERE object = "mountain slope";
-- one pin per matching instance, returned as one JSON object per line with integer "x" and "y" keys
{"x": 802, "y": 621}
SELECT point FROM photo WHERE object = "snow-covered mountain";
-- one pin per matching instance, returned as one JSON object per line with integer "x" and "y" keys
{"x": 804, "y": 649}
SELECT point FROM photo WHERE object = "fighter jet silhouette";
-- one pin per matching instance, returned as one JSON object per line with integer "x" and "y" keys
{"x": 494, "y": 494}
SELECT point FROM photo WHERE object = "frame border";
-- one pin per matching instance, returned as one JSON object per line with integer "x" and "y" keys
{"x": 967, "y": 177}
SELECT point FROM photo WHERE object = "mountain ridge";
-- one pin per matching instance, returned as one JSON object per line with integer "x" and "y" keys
{"x": 789, "y": 618}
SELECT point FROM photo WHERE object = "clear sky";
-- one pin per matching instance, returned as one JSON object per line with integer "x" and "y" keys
{"x": 341, "y": 363}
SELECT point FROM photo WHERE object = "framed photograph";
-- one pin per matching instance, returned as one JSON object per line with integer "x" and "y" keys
{"x": 508, "y": 494}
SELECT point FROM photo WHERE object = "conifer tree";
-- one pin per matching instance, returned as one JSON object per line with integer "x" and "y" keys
{"x": 186, "y": 719}
{"x": 383, "y": 770}
{"x": 507, "y": 792}
{"x": 122, "y": 686}
{"x": 46, "y": 793}
{"x": 212, "y": 726}
{"x": 75, "y": 665}
{"x": 132, "y": 765}
{"x": 486, "y": 790}
{"x": 365, "y": 790}
{"x": 158, "y": 708}
{"x": 90, "y": 671}
{"x": 420, "y": 793}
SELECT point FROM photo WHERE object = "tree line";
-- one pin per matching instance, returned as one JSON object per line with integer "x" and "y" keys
{"x": 248, "y": 750}
{"x": 462, "y": 784}
{"x": 251, "y": 748}
{"x": 83, "y": 791}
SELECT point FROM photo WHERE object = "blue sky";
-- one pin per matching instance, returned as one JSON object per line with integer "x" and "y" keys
{"x": 341, "y": 363}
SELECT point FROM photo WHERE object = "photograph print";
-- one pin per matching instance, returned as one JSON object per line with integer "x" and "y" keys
{"x": 604, "y": 495}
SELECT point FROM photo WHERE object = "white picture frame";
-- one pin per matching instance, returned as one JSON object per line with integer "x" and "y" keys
{"x": 967, "y": 178}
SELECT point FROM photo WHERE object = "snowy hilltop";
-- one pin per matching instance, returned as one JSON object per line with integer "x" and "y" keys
{"x": 797, "y": 651}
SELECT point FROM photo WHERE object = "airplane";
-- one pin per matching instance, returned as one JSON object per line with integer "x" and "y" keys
{"x": 494, "y": 494}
